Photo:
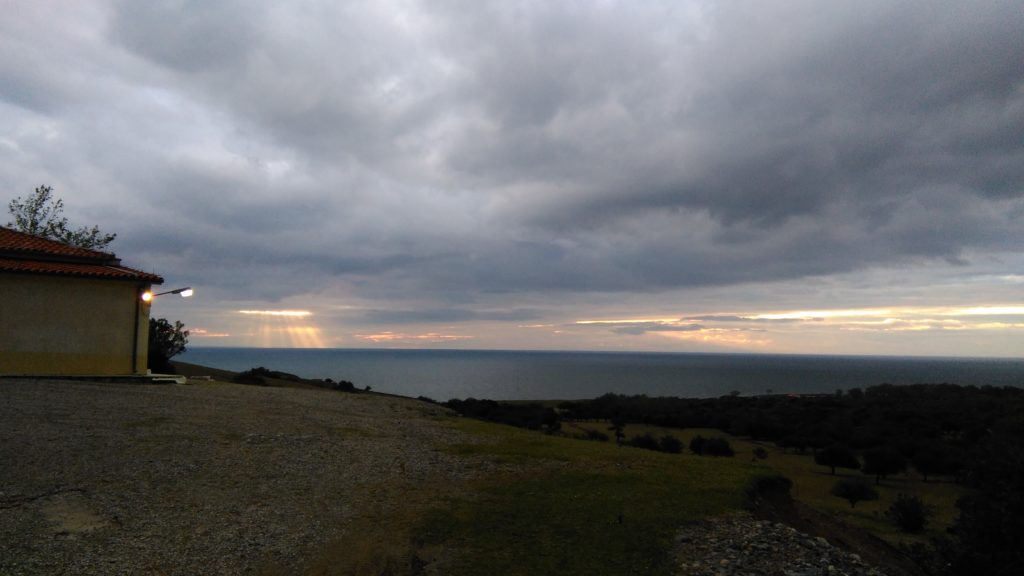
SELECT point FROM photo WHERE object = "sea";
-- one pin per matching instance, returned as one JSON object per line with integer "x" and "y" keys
{"x": 541, "y": 375}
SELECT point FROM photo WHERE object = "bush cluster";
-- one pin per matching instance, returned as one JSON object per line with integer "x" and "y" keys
{"x": 975, "y": 434}
{"x": 854, "y": 490}
{"x": 533, "y": 416}
{"x": 668, "y": 443}
{"x": 933, "y": 426}
{"x": 770, "y": 487}
{"x": 908, "y": 513}
{"x": 258, "y": 376}
{"x": 714, "y": 446}
{"x": 346, "y": 386}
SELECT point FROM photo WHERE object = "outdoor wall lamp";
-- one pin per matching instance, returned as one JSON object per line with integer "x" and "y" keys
{"x": 185, "y": 292}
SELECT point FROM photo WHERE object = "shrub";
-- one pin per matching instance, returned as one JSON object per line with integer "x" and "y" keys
{"x": 854, "y": 490}
{"x": 618, "y": 425}
{"x": 254, "y": 377}
{"x": 718, "y": 447}
{"x": 646, "y": 441}
{"x": 670, "y": 444}
{"x": 596, "y": 435}
{"x": 697, "y": 444}
{"x": 550, "y": 422}
{"x": 533, "y": 416}
{"x": 259, "y": 375}
{"x": 768, "y": 487}
{"x": 908, "y": 513}
{"x": 760, "y": 453}
{"x": 715, "y": 446}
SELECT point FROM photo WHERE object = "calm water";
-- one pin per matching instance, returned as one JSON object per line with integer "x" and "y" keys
{"x": 512, "y": 375}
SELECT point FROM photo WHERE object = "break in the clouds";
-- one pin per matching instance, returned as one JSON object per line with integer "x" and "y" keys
{"x": 490, "y": 173}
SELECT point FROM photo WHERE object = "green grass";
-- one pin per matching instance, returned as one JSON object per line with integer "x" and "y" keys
{"x": 576, "y": 507}
{"x": 556, "y": 505}
{"x": 812, "y": 485}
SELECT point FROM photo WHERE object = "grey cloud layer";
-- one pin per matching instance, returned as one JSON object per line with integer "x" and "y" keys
{"x": 451, "y": 149}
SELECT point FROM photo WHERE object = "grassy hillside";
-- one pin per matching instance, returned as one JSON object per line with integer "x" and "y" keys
{"x": 574, "y": 507}
{"x": 523, "y": 502}
{"x": 812, "y": 484}
{"x": 543, "y": 505}
{"x": 539, "y": 503}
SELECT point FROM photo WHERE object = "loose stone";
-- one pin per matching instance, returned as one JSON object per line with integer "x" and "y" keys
{"x": 764, "y": 548}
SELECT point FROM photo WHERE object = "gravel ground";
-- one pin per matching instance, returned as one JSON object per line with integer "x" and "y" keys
{"x": 201, "y": 479}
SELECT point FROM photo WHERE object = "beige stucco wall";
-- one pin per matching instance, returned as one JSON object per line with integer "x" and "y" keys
{"x": 61, "y": 325}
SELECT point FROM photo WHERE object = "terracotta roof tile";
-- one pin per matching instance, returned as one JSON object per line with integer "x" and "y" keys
{"x": 76, "y": 269}
{"x": 25, "y": 253}
{"x": 13, "y": 241}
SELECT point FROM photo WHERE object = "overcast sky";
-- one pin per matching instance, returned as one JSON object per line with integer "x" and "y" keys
{"x": 762, "y": 176}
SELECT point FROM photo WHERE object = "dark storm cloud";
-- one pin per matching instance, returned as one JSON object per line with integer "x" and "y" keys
{"x": 189, "y": 36}
{"x": 447, "y": 150}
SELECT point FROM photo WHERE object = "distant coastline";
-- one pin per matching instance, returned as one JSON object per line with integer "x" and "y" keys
{"x": 546, "y": 375}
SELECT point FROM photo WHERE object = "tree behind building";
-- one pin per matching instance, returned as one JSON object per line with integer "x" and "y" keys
{"x": 42, "y": 215}
{"x": 166, "y": 341}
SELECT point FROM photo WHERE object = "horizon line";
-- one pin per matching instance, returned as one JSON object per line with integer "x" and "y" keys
{"x": 592, "y": 351}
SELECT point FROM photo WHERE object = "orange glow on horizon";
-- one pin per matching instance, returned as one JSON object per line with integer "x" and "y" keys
{"x": 718, "y": 336}
{"x": 776, "y": 330}
{"x": 815, "y": 314}
{"x": 631, "y": 321}
{"x": 398, "y": 337}
{"x": 204, "y": 333}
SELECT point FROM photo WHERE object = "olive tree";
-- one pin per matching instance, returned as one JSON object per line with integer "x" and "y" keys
{"x": 883, "y": 461}
{"x": 854, "y": 490}
{"x": 166, "y": 341}
{"x": 42, "y": 215}
{"x": 836, "y": 456}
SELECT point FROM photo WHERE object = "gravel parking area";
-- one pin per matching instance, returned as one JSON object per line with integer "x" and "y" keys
{"x": 101, "y": 478}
